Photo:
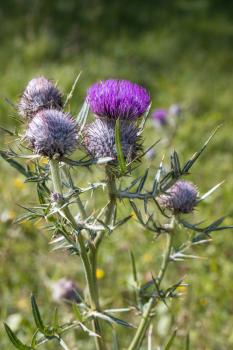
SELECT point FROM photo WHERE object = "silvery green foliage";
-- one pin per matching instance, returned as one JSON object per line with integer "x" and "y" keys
{"x": 40, "y": 93}
{"x": 51, "y": 133}
{"x": 99, "y": 139}
{"x": 111, "y": 144}
{"x": 180, "y": 198}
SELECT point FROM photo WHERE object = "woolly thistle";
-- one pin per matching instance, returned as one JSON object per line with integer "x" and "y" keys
{"x": 51, "y": 133}
{"x": 99, "y": 139}
{"x": 39, "y": 94}
{"x": 180, "y": 198}
{"x": 118, "y": 99}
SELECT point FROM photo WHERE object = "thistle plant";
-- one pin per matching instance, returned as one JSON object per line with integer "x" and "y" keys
{"x": 112, "y": 142}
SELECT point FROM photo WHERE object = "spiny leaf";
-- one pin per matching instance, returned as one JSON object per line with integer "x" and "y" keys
{"x": 55, "y": 319}
{"x": 77, "y": 312}
{"x": 36, "y": 315}
{"x": 207, "y": 194}
{"x": 196, "y": 155}
{"x": 15, "y": 340}
{"x": 171, "y": 340}
{"x": 142, "y": 182}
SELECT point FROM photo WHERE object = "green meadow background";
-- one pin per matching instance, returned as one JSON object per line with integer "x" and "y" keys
{"x": 182, "y": 52}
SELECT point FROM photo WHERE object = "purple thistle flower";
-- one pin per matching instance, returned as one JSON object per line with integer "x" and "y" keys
{"x": 52, "y": 132}
{"x": 175, "y": 110}
{"x": 118, "y": 99}
{"x": 180, "y": 198}
{"x": 99, "y": 139}
{"x": 160, "y": 116}
{"x": 40, "y": 93}
{"x": 65, "y": 290}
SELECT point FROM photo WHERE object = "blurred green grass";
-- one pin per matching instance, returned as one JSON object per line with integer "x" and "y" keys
{"x": 182, "y": 51}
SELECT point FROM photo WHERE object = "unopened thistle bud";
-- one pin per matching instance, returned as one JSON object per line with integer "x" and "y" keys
{"x": 180, "y": 198}
{"x": 115, "y": 99}
{"x": 51, "y": 133}
{"x": 39, "y": 94}
{"x": 99, "y": 139}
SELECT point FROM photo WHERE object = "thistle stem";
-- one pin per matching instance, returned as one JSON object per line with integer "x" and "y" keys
{"x": 93, "y": 297}
{"x": 146, "y": 317}
{"x": 111, "y": 183}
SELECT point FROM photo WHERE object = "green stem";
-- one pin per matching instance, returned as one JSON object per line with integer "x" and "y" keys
{"x": 111, "y": 183}
{"x": 146, "y": 317}
{"x": 93, "y": 299}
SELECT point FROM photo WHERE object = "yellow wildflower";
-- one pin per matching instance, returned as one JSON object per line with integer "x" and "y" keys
{"x": 19, "y": 183}
{"x": 100, "y": 274}
{"x": 147, "y": 257}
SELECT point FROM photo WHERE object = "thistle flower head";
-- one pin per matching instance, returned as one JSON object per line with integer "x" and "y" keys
{"x": 65, "y": 289}
{"x": 52, "y": 132}
{"x": 40, "y": 93}
{"x": 99, "y": 139}
{"x": 180, "y": 198}
{"x": 175, "y": 110}
{"x": 160, "y": 116}
{"x": 118, "y": 99}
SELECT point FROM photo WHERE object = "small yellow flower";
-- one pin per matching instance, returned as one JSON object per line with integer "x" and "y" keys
{"x": 19, "y": 184}
{"x": 100, "y": 274}
{"x": 147, "y": 257}
{"x": 133, "y": 215}
{"x": 181, "y": 289}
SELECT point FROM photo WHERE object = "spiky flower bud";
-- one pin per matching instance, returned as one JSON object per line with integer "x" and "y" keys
{"x": 180, "y": 198}
{"x": 51, "y": 133}
{"x": 40, "y": 93}
{"x": 118, "y": 99}
{"x": 99, "y": 139}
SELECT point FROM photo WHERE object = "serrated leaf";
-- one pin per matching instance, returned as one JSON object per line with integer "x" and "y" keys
{"x": 36, "y": 315}
{"x": 120, "y": 155}
{"x": 15, "y": 340}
